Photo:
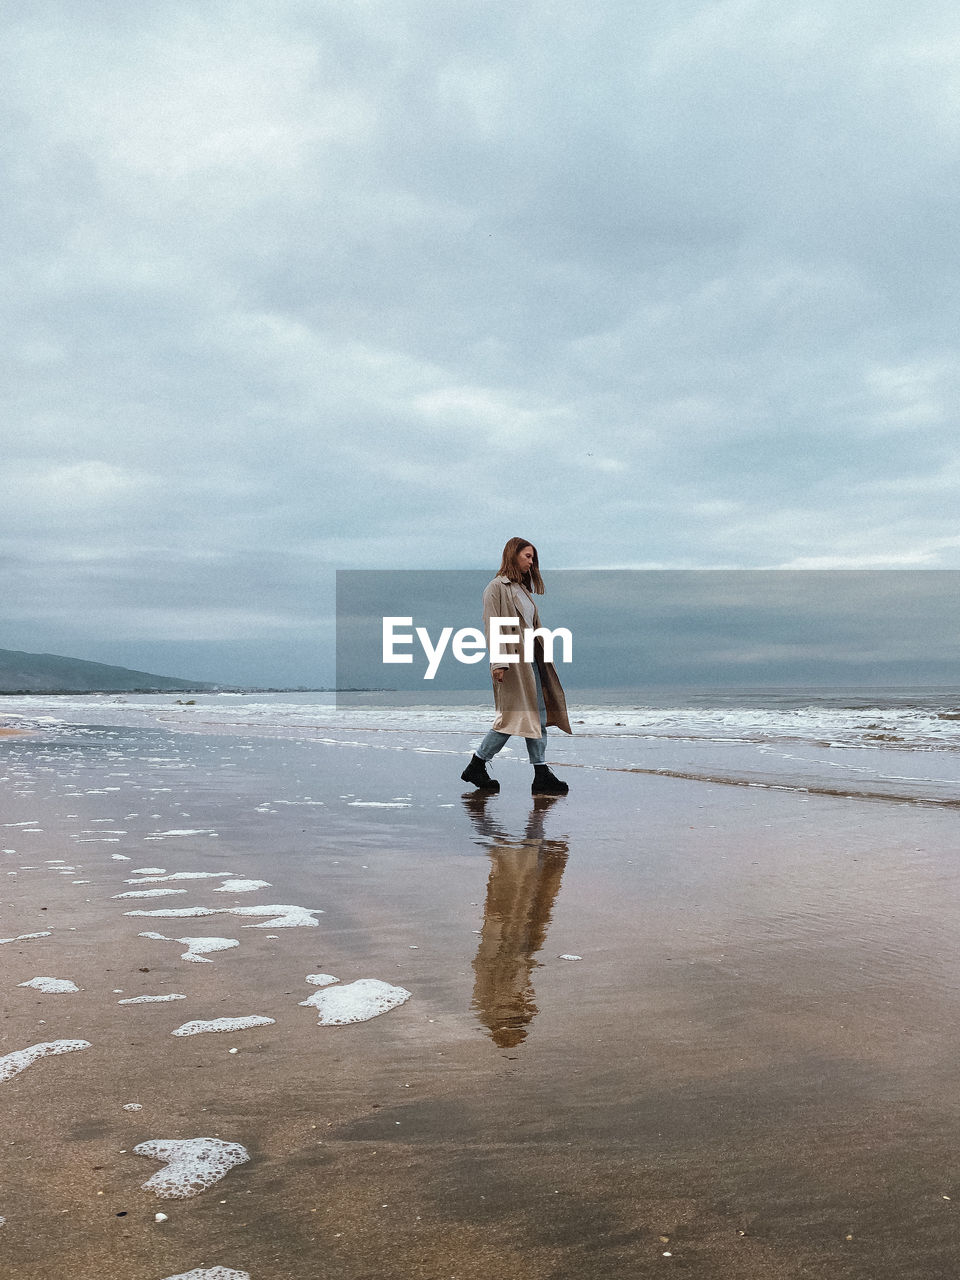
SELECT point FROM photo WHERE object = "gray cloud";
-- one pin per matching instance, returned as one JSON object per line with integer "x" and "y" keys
{"x": 315, "y": 286}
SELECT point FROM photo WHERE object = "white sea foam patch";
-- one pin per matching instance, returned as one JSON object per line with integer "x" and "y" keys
{"x": 23, "y": 937}
{"x": 355, "y": 1001}
{"x": 179, "y": 875}
{"x": 173, "y": 995}
{"x": 147, "y": 893}
{"x": 379, "y": 804}
{"x": 198, "y": 947}
{"x": 242, "y": 886}
{"x": 321, "y": 979}
{"x": 51, "y": 986}
{"x": 147, "y": 871}
{"x": 210, "y": 1273}
{"x": 176, "y": 913}
{"x": 13, "y": 1063}
{"x": 200, "y": 1025}
{"x": 286, "y": 917}
{"x": 283, "y": 917}
{"x": 184, "y": 831}
{"x": 192, "y": 1164}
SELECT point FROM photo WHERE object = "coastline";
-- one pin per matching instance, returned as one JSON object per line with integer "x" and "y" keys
{"x": 753, "y": 1055}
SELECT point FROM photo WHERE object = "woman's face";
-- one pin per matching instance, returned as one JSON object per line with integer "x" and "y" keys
{"x": 525, "y": 558}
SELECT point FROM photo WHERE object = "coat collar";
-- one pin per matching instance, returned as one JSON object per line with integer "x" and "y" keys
{"x": 509, "y": 582}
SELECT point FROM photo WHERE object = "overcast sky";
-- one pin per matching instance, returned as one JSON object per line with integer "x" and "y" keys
{"x": 323, "y": 284}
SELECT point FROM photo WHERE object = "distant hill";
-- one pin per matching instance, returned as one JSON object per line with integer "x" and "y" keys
{"x": 49, "y": 673}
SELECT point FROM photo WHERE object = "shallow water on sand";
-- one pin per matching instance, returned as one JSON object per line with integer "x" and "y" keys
{"x": 754, "y": 1056}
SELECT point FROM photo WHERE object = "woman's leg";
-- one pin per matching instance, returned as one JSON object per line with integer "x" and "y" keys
{"x": 537, "y": 747}
{"x": 491, "y": 744}
{"x": 545, "y": 783}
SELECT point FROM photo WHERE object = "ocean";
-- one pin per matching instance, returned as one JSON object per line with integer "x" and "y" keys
{"x": 893, "y": 745}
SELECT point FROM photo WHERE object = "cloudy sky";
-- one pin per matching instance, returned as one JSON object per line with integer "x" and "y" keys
{"x": 323, "y": 284}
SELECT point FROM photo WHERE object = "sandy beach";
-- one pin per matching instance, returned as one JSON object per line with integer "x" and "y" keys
{"x": 655, "y": 1024}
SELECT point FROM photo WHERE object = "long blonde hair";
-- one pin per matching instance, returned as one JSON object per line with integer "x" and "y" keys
{"x": 510, "y": 569}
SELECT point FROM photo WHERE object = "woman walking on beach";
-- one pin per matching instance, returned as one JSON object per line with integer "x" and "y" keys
{"x": 527, "y": 695}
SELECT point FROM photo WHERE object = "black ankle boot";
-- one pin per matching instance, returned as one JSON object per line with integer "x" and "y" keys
{"x": 546, "y": 783}
{"x": 476, "y": 774}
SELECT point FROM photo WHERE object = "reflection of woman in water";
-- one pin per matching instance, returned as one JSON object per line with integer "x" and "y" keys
{"x": 527, "y": 695}
{"x": 524, "y": 880}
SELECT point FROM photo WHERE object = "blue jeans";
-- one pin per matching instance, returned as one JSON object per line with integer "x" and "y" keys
{"x": 536, "y": 747}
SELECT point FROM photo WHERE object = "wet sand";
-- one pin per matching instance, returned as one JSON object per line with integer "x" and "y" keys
{"x": 751, "y": 1068}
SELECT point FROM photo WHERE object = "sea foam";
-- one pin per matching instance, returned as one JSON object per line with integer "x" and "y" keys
{"x": 177, "y": 875}
{"x": 183, "y": 831}
{"x": 199, "y": 1025}
{"x": 13, "y": 1063}
{"x": 379, "y": 804}
{"x": 287, "y": 917}
{"x": 209, "y": 1273}
{"x": 147, "y": 893}
{"x": 321, "y": 979}
{"x": 197, "y": 947}
{"x": 355, "y": 1001}
{"x": 51, "y": 986}
{"x": 192, "y": 1164}
{"x": 174, "y": 995}
{"x": 174, "y": 913}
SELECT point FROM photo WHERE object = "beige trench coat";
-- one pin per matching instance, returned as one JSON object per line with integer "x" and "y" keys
{"x": 515, "y": 697}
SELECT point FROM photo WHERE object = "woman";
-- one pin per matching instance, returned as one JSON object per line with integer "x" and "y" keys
{"x": 527, "y": 695}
